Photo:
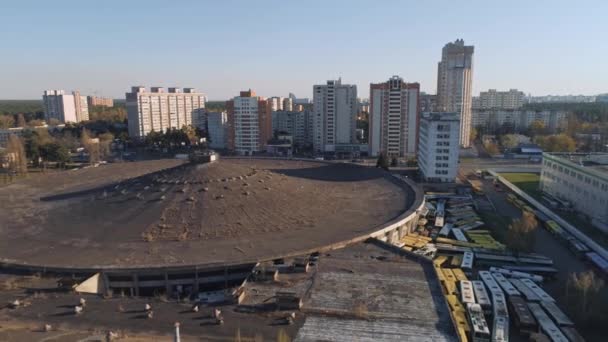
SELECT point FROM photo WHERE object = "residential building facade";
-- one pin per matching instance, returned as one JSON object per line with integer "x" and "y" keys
{"x": 493, "y": 99}
{"x": 428, "y": 102}
{"x": 334, "y": 115}
{"x": 393, "y": 118}
{"x": 158, "y": 110}
{"x": 249, "y": 123}
{"x": 438, "y": 149}
{"x": 297, "y": 124}
{"x": 64, "y": 107}
{"x": 276, "y": 103}
{"x": 454, "y": 85}
{"x": 288, "y": 104}
{"x": 581, "y": 179}
{"x": 217, "y": 129}
{"x": 518, "y": 120}
{"x": 94, "y": 101}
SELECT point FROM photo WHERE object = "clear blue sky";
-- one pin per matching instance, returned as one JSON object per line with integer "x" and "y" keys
{"x": 277, "y": 47}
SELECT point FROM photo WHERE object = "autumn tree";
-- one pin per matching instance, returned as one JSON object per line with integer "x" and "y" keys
{"x": 509, "y": 141}
{"x": 105, "y": 143}
{"x": 91, "y": 145}
{"x": 474, "y": 134}
{"x": 6, "y": 121}
{"x": 16, "y": 155}
{"x": 537, "y": 127}
{"x": 520, "y": 236}
{"x": 582, "y": 293}
{"x": 556, "y": 143}
{"x": 491, "y": 148}
{"x": 21, "y": 120}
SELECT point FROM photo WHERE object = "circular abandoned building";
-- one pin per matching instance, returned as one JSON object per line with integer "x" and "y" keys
{"x": 169, "y": 215}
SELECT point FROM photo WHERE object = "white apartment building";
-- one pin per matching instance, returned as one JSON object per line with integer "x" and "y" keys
{"x": 394, "y": 118}
{"x": 296, "y": 124}
{"x": 519, "y": 120}
{"x": 438, "y": 148}
{"x": 249, "y": 123}
{"x": 288, "y": 104}
{"x": 65, "y": 107}
{"x": 157, "y": 110}
{"x": 334, "y": 115}
{"x": 454, "y": 85}
{"x": 275, "y": 103}
{"x": 217, "y": 126}
{"x": 493, "y": 99}
{"x": 582, "y": 180}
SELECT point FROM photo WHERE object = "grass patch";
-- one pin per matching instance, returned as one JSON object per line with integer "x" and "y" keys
{"x": 528, "y": 182}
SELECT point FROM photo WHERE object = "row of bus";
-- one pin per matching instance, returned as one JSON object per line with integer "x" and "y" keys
{"x": 575, "y": 245}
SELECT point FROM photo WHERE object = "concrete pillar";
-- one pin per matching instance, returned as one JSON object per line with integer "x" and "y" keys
{"x": 106, "y": 283}
{"x": 167, "y": 286}
{"x": 136, "y": 284}
{"x": 196, "y": 285}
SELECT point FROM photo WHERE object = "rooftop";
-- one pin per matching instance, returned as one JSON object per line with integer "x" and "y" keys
{"x": 593, "y": 161}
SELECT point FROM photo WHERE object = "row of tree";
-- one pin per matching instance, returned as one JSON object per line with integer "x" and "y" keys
{"x": 174, "y": 138}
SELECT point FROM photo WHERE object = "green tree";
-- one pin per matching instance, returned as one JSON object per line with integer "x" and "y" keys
{"x": 55, "y": 152}
{"x": 21, "y": 120}
{"x": 382, "y": 161}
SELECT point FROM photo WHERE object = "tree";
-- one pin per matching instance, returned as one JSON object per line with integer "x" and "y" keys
{"x": 91, "y": 145}
{"x": 21, "y": 120}
{"x": 16, "y": 154}
{"x": 509, "y": 141}
{"x": 55, "y": 152}
{"x": 474, "y": 134}
{"x": 520, "y": 236}
{"x": 537, "y": 127}
{"x": 556, "y": 143}
{"x": 6, "y": 121}
{"x": 105, "y": 143}
{"x": 54, "y": 122}
{"x": 585, "y": 286}
{"x": 491, "y": 148}
{"x": 382, "y": 161}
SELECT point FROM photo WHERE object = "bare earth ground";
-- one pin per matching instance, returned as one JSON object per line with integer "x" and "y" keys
{"x": 235, "y": 210}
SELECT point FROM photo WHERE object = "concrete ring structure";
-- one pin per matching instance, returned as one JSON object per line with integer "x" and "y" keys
{"x": 198, "y": 220}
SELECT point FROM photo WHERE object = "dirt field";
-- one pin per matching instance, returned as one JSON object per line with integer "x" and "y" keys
{"x": 129, "y": 215}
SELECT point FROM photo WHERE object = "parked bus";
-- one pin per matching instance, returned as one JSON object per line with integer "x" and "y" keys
{"x": 500, "y": 329}
{"x": 466, "y": 292}
{"x": 559, "y": 317}
{"x": 467, "y": 261}
{"x": 598, "y": 262}
{"x": 489, "y": 281}
{"x": 499, "y": 305}
{"x": 459, "y": 235}
{"x": 521, "y": 315}
{"x": 544, "y": 296}
{"x": 481, "y": 295}
{"x": 479, "y": 327}
{"x": 517, "y": 274}
{"x": 572, "y": 334}
{"x": 546, "y": 324}
{"x": 527, "y": 292}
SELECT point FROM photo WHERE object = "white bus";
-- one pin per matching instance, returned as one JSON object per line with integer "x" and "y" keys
{"x": 500, "y": 329}
{"x": 481, "y": 295}
{"x": 459, "y": 235}
{"x": 479, "y": 327}
{"x": 517, "y": 274}
{"x": 467, "y": 261}
{"x": 530, "y": 295}
{"x": 487, "y": 279}
{"x": 466, "y": 292}
{"x": 558, "y": 315}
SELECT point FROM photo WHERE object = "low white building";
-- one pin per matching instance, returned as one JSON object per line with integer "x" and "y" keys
{"x": 438, "y": 148}
{"x": 217, "y": 125}
{"x": 581, "y": 179}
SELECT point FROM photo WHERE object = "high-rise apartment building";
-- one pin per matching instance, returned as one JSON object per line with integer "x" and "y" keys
{"x": 298, "y": 124}
{"x": 65, "y": 107}
{"x": 492, "y": 99}
{"x": 94, "y": 101}
{"x": 157, "y": 110}
{"x": 217, "y": 129}
{"x": 438, "y": 148}
{"x": 249, "y": 123}
{"x": 288, "y": 104}
{"x": 428, "y": 102}
{"x": 393, "y": 118}
{"x": 454, "y": 85}
{"x": 275, "y": 103}
{"x": 334, "y": 115}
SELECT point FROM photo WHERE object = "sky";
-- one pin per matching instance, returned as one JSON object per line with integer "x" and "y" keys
{"x": 277, "y": 47}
